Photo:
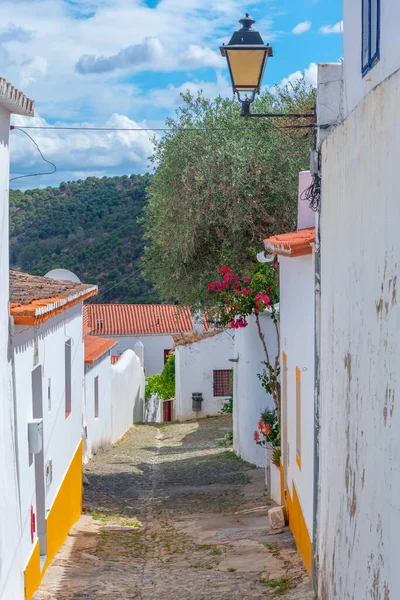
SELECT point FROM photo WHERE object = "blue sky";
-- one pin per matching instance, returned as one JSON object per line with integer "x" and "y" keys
{"x": 125, "y": 62}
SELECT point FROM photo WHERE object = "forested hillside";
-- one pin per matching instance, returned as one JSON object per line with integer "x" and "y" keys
{"x": 90, "y": 227}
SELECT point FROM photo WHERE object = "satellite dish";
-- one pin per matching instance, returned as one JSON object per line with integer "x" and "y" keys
{"x": 265, "y": 259}
{"x": 62, "y": 275}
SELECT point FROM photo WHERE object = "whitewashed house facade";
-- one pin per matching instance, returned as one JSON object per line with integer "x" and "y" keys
{"x": 152, "y": 325}
{"x": 48, "y": 360}
{"x": 12, "y": 101}
{"x": 295, "y": 252}
{"x": 250, "y": 398}
{"x": 203, "y": 367}
{"x": 358, "y": 517}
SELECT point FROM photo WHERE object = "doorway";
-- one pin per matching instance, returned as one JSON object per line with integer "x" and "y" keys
{"x": 40, "y": 485}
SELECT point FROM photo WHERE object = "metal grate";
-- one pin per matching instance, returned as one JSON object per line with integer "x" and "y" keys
{"x": 223, "y": 382}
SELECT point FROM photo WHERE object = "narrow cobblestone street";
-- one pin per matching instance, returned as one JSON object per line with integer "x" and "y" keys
{"x": 172, "y": 514}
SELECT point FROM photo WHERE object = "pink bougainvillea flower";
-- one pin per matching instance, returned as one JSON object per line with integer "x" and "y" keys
{"x": 246, "y": 279}
{"x": 256, "y": 436}
{"x": 251, "y": 290}
{"x": 260, "y": 424}
{"x": 256, "y": 310}
{"x": 276, "y": 264}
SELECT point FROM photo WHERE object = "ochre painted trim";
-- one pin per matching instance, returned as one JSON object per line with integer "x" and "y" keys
{"x": 282, "y": 485}
{"x": 299, "y": 423}
{"x": 298, "y": 461}
{"x": 299, "y": 529}
{"x": 32, "y": 572}
{"x": 64, "y": 513}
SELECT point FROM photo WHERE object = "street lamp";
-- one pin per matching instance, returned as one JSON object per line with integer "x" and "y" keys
{"x": 247, "y": 57}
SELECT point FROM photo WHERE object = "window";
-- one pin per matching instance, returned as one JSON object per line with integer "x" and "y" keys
{"x": 166, "y": 355}
{"x": 370, "y": 34}
{"x": 298, "y": 417}
{"x": 96, "y": 397}
{"x": 68, "y": 377}
{"x": 49, "y": 394}
{"x": 223, "y": 382}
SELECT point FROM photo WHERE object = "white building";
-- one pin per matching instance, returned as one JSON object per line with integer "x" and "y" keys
{"x": 203, "y": 367}
{"x": 250, "y": 398}
{"x": 11, "y": 574}
{"x": 154, "y": 325}
{"x": 297, "y": 334}
{"x": 114, "y": 394}
{"x": 97, "y": 397}
{"x": 358, "y": 535}
{"x": 47, "y": 354}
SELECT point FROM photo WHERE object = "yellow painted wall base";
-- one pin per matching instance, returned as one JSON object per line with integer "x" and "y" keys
{"x": 299, "y": 529}
{"x": 32, "y": 572}
{"x": 64, "y": 513}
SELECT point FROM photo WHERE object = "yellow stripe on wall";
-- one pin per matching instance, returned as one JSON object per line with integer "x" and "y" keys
{"x": 32, "y": 572}
{"x": 299, "y": 529}
{"x": 64, "y": 513}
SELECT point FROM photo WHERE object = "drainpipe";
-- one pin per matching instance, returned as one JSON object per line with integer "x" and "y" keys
{"x": 317, "y": 346}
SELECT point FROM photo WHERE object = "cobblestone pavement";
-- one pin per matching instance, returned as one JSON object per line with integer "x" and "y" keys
{"x": 171, "y": 514}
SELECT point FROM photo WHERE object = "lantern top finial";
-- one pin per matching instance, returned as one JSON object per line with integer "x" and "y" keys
{"x": 247, "y": 22}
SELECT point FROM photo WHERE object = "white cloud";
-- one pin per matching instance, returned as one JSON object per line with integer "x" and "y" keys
{"x": 302, "y": 27}
{"x": 328, "y": 29}
{"x": 105, "y": 153}
{"x": 309, "y": 74}
{"x": 13, "y": 33}
{"x": 170, "y": 97}
{"x": 149, "y": 55}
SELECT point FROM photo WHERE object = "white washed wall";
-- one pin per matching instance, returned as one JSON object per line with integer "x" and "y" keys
{"x": 154, "y": 346}
{"x": 250, "y": 398}
{"x": 359, "y": 489}
{"x": 11, "y": 575}
{"x": 61, "y": 435}
{"x": 357, "y": 87}
{"x": 127, "y": 394}
{"x": 297, "y": 341}
{"x": 98, "y": 429}
{"x": 194, "y": 366}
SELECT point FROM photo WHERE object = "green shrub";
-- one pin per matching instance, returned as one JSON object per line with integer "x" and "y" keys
{"x": 163, "y": 384}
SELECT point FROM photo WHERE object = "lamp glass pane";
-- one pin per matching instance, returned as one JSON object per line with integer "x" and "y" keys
{"x": 246, "y": 67}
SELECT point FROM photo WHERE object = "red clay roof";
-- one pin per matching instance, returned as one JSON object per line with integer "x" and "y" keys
{"x": 96, "y": 347}
{"x": 114, "y": 359}
{"x": 138, "y": 319}
{"x": 298, "y": 243}
{"x": 34, "y": 300}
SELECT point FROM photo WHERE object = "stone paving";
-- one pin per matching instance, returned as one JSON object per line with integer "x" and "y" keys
{"x": 172, "y": 514}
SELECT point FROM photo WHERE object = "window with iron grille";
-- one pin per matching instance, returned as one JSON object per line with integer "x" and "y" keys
{"x": 370, "y": 34}
{"x": 223, "y": 382}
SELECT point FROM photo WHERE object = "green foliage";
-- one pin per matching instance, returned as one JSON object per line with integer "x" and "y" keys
{"x": 228, "y": 406}
{"x": 163, "y": 384}
{"x": 276, "y": 457}
{"x": 91, "y": 227}
{"x": 218, "y": 191}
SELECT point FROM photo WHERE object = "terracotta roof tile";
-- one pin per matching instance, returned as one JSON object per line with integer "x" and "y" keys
{"x": 96, "y": 347}
{"x": 114, "y": 359}
{"x": 34, "y": 300}
{"x": 138, "y": 319}
{"x": 14, "y": 100}
{"x": 298, "y": 243}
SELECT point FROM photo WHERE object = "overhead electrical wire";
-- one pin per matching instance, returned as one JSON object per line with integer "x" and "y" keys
{"x": 41, "y": 154}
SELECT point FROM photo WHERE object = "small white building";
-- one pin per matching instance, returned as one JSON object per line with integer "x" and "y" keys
{"x": 48, "y": 361}
{"x": 297, "y": 333}
{"x": 154, "y": 325}
{"x": 11, "y": 572}
{"x": 203, "y": 367}
{"x": 358, "y": 516}
{"x": 114, "y": 394}
{"x": 97, "y": 398}
{"x": 250, "y": 398}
